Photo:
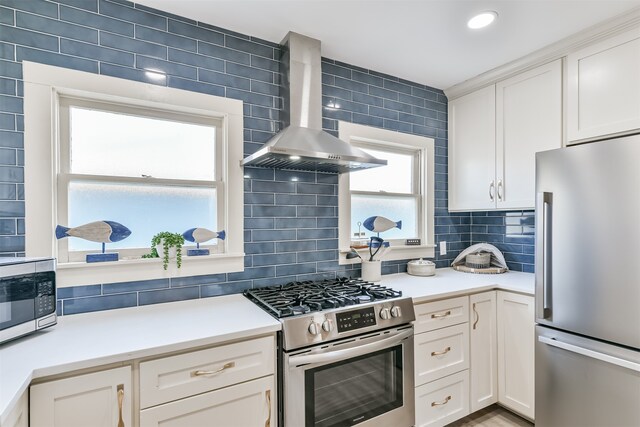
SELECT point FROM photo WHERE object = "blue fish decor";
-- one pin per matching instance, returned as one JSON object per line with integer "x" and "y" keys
{"x": 98, "y": 231}
{"x": 201, "y": 235}
{"x": 378, "y": 224}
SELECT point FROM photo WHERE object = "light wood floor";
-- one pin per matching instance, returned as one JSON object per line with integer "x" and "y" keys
{"x": 492, "y": 416}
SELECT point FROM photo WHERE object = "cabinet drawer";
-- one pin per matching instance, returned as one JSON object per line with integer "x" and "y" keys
{"x": 248, "y": 404}
{"x": 441, "y": 353}
{"x": 175, "y": 377}
{"x": 440, "y": 314}
{"x": 444, "y": 401}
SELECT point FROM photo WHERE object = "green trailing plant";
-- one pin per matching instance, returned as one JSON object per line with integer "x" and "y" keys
{"x": 168, "y": 240}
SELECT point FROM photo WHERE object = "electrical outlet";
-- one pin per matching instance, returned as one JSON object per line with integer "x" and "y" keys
{"x": 443, "y": 247}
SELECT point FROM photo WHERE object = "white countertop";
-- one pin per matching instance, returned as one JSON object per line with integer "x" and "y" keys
{"x": 94, "y": 339}
{"x": 449, "y": 283}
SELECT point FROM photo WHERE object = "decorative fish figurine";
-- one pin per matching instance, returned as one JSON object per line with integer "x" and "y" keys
{"x": 200, "y": 235}
{"x": 98, "y": 231}
{"x": 378, "y": 224}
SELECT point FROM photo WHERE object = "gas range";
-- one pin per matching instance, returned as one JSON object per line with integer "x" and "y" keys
{"x": 314, "y": 312}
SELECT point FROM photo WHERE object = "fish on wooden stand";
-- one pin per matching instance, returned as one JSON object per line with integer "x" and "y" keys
{"x": 200, "y": 235}
{"x": 378, "y": 224}
{"x": 97, "y": 231}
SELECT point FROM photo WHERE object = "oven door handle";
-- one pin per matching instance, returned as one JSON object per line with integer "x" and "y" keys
{"x": 336, "y": 355}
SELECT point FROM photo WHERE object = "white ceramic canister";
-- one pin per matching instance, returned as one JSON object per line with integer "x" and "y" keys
{"x": 421, "y": 267}
{"x": 372, "y": 270}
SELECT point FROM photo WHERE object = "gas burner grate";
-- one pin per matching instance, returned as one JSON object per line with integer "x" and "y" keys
{"x": 296, "y": 298}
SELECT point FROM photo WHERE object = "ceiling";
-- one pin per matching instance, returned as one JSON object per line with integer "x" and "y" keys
{"x": 425, "y": 41}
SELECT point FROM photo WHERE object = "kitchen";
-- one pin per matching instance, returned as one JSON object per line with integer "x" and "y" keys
{"x": 291, "y": 229}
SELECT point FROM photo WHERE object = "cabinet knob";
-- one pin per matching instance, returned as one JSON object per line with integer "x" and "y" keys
{"x": 120, "y": 391}
{"x": 500, "y": 190}
{"x": 492, "y": 187}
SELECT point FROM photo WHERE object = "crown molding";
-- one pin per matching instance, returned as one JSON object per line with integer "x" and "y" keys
{"x": 559, "y": 49}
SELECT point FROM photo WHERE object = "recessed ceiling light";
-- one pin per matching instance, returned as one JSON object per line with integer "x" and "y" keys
{"x": 481, "y": 20}
{"x": 294, "y": 157}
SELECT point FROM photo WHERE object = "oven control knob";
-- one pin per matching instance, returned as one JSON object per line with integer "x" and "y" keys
{"x": 314, "y": 328}
{"x": 385, "y": 313}
{"x": 327, "y": 325}
{"x": 395, "y": 311}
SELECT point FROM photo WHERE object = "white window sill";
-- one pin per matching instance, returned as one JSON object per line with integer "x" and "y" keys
{"x": 395, "y": 253}
{"x": 129, "y": 270}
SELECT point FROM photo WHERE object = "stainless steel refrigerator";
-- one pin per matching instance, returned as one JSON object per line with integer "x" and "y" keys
{"x": 588, "y": 285}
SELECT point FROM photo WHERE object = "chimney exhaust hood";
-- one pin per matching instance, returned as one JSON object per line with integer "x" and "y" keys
{"x": 302, "y": 144}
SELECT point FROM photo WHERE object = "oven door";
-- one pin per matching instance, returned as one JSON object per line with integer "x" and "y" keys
{"x": 364, "y": 380}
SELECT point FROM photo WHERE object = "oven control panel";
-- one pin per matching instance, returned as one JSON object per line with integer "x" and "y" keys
{"x": 356, "y": 319}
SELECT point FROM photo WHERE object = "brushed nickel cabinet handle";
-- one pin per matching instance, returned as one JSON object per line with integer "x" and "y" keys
{"x": 475, "y": 312}
{"x": 267, "y": 393}
{"x": 444, "y": 402}
{"x": 205, "y": 373}
{"x": 492, "y": 187}
{"x": 441, "y": 315}
{"x": 440, "y": 353}
{"x": 120, "y": 391}
{"x": 499, "y": 190}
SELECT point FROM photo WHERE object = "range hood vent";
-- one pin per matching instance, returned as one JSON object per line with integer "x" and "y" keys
{"x": 302, "y": 144}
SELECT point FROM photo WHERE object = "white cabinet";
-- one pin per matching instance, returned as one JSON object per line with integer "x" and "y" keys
{"x": 494, "y": 134}
{"x": 604, "y": 88}
{"x": 232, "y": 384}
{"x": 528, "y": 120}
{"x": 483, "y": 372}
{"x": 516, "y": 338}
{"x": 19, "y": 415}
{"x": 472, "y": 152}
{"x": 97, "y": 399}
{"x": 247, "y": 404}
{"x": 441, "y": 352}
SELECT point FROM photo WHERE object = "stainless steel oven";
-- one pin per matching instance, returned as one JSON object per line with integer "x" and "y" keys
{"x": 366, "y": 380}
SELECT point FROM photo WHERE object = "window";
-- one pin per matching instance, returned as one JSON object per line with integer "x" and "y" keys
{"x": 149, "y": 170}
{"x": 400, "y": 191}
{"x": 149, "y": 157}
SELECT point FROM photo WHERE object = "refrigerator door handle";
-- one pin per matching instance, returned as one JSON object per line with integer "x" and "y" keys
{"x": 590, "y": 353}
{"x": 544, "y": 203}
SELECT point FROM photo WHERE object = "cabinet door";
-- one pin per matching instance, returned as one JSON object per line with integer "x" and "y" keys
{"x": 516, "y": 339}
{"x": 443, "y": 401}
{"x": 604, "y": 88}
{"x": 83, "y": 400}
{"x": 472, "y": 151}
{"x": 528, "y": 120}
{"x": 483, "y": 357}
{"x": 440, "y": 353}
{"x": 247, "y": 404}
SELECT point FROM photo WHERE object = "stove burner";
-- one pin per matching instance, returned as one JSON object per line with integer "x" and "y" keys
{"x": 296, "y": 298}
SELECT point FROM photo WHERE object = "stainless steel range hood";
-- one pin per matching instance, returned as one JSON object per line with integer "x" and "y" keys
{"x": 302, "y": 144}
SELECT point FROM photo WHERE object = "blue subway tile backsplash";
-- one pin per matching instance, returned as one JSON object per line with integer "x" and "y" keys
{"x": 291, "y": 218}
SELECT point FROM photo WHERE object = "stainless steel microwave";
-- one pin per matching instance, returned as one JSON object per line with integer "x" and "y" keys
{"x": 27, "y": 296}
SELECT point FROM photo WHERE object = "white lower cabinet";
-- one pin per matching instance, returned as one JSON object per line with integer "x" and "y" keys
{"x": 483, "y": 348}
{"x": 247, "y": 404}
{"x": 443, "y": 401}
{"x": 97, "y": 399}
{"x": 516, "y": 339}
{"x": 441, "y": 351}
{"x": 19, "y": 415}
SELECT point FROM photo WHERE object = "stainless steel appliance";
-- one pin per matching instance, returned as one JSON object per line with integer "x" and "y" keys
{"x": 587, "y": 286}
{"x": 27, "y": 296}
{"x": 302, "y": 144}
{"x": 345, "y": 353}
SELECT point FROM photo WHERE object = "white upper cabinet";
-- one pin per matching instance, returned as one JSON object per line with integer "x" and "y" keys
{"x": 472, "y": 155}
{"x": 494, "y": 134}
{"x": 604, "y": 88}
{"x": 528, "y": 120}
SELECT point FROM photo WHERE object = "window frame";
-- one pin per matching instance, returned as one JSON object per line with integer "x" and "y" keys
{"x": 44, "y": 85}
{"x": 65, "y": 176}
{"x": 423, "y": 180}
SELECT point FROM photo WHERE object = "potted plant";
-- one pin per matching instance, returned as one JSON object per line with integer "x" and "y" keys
{"x": 170, "y": 245}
